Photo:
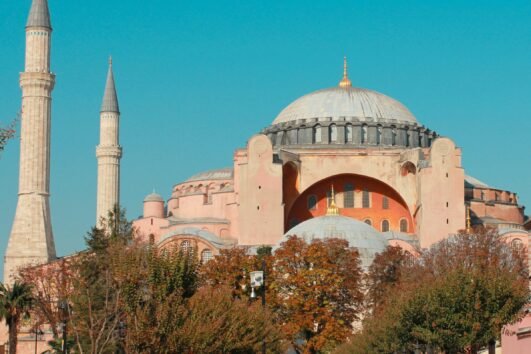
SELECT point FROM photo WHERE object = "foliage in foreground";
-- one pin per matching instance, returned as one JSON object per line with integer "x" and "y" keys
{"x": 455, "y": 297}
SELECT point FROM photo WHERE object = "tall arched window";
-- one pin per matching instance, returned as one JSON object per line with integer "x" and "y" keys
{"x": 378, "y": 135}
{"x": 206, "y": 256}
{"x": 333, "y": 133}
{"x": 364, "y": 134}
{"x": 186, "y": 246}
{"x": 312, "y": 202}
{"x": 368, "y": 221}
{"x": 348, "y": 196}
{"x": 385, "y": 202}
{"x": 366, "y": 199}
{"x": 393, "y": 136}
{"x": 348, "y": 133}
{"x": 403, "y": 225}
{"x": 385, "y": 226}
{"x": 317, "y": 134}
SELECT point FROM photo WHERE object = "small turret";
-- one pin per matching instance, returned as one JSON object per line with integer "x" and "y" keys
{"x": 154, "y": 206}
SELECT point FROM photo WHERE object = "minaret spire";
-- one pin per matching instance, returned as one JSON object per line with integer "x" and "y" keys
{"x": 31, "y": 240}
{"x": 39, "y": 15}
{"x": 109, "y": 151}
{"x": 110, "y": 99}
{"x": 345, "y": 81}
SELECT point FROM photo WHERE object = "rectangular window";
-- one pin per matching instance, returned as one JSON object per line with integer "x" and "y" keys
{"x": 385, "y": 203}
{"x": 366, "y": 201}
{"x": 348, "y": 196}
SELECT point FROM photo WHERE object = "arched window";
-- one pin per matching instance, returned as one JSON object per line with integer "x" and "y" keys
{"x": 348, "y": 133}
{"x": 206, "y": 256}
{"x": 517, "y": 243}
{"x": 348, "y": 196}
{"x": 407, "y": 136}
{"x": 482, "y": 195}
{"x": 403, "y": 225}
{"x": 312, "y": 202}
{"x": 317, "y": 134}
{"x": 368, "y": 221}
{"x": 364, "y": 134}
{"x": 385, "y": 202}
{"x": 333, "y": 133}
{"x": 186, "y": 246}
{"x": 378, "y": 135}
{"x": 385, "y": 226}
{"x": 366, "y": 199}
{"x": 393, "y": 136}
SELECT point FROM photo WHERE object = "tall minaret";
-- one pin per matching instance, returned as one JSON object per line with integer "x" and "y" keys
{"x": 109, "y": 151}
{"x": 31, "y": 240}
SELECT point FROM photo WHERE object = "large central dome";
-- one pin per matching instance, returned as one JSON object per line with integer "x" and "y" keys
{"x": 346, "y": 101}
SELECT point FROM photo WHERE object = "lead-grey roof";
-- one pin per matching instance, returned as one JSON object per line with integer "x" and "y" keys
{"x": 153, "y": 197}
{"x": 471, "y": 182}
{"x": 338, "y": 102}
{"x": 39, "y": 15}
{"x": 366, "y": 239}
{"x": 223, "y": 173}
{"x": 110, "y": 99}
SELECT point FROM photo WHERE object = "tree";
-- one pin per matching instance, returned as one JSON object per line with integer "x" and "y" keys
{"x": 456, "y": 297}
{"x": 6, "y": 134}
{"x": 317, "y": 292}
{"x": 15, "y": 304}
{"x": 384, "y": 275}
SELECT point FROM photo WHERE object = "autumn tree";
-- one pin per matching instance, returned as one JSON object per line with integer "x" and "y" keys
{"x": 384, "y": 275}
{"x": 456, "y": 297}
{"x": 317, "y": 292}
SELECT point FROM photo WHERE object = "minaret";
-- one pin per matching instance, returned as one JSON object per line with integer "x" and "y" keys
{"x": 31, "y": 240}
{"x": 109, "y": 151}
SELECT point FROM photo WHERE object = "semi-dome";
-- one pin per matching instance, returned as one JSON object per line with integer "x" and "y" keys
{"x": 359, "y": 235}
{"x": 335, "y": 102}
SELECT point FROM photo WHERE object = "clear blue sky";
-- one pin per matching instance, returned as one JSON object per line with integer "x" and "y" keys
{"x": 196, "y": 79}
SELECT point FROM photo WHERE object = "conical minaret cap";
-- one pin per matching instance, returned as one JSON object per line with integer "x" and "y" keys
{"x": 110, "y": 99}
{"x": 39, "y": 15}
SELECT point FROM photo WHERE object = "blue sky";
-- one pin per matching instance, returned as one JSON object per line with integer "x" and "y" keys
{"x": 196, "y": 79}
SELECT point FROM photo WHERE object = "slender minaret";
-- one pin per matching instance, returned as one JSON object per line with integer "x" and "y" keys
{"x": 31, "y": 240}
{"x": 109, "y": 151}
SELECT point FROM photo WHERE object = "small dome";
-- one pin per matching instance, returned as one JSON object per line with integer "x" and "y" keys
{"x": 153, "y": 197}
{"x": 359, "y": 235}
{"x": 220, "y": 174}
{"x": 346, "y": 101}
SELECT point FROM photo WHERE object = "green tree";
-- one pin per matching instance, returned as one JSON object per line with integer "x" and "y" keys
{"x": 456, "y": 297}
{"x": 6, "y": 134}
{"x": 15, "y": 304}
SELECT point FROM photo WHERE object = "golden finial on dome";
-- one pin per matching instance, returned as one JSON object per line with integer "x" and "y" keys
{"x": 345, "y": 82}
{"x": 332, "y": 208}
{"x": 468, "y": 223}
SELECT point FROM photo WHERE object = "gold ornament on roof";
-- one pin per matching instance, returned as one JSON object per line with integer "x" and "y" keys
{"x": 468, "y": 223}
{"x": 345, "y": 82}
{"x": 332, "y": 208}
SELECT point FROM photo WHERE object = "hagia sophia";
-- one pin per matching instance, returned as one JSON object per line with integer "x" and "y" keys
{"x": 342, "y": 161}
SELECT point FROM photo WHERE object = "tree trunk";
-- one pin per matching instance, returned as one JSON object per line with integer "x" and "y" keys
{"x": 12, "y": 335}
{"x": 492, "y": 346}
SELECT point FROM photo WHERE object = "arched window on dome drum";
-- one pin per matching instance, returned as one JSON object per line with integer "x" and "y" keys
{"x": 333, "y": 133}
{"x": 393, "y": 136}
{"x": 385, "y": 202}
{"x": 366, "y": 199}
{"x": 407, "y": 136}
{"x": 186, "y": 246}
{"x": 378, "y": 135}
{"x": 403, "y": 225}
{"x": 316, "y": 136}
{"x": 385, "y": 226}
{"x": 348, "y": 133}
{"x": 368, "y": 221}
{"x": 206, "y": 256}
{"x": 348, "y": 196}
{"x": 364, "y": 134}
{"x": 312, "y": 202}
